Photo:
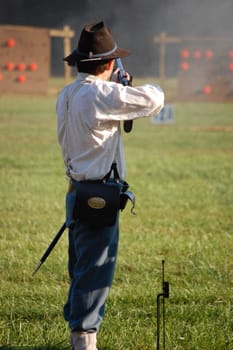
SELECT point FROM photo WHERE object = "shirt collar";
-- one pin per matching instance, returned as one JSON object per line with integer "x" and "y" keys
{"x": 86, "y": 77}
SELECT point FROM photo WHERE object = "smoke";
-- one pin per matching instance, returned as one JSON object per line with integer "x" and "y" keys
{"x": 134, "y": 24}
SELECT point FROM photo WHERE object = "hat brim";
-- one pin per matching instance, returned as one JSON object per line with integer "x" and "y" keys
{"x": 118, "y": 53}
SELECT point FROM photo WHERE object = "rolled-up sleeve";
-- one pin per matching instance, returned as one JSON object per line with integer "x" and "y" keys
{"x": 125, "y": 102}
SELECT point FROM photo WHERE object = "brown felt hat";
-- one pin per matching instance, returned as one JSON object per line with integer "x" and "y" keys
{"x": 96, "y": 43}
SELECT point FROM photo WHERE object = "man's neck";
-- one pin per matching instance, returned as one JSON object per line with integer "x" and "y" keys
{"x": 104, "y": 76}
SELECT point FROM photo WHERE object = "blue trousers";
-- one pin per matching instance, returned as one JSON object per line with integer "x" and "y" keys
{"x": 92, "y": 261}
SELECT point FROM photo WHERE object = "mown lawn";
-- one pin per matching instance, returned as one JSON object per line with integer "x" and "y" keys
{"x": 182, "y": 175}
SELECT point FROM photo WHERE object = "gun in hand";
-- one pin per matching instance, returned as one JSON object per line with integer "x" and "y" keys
{"x": 128, "y": 124}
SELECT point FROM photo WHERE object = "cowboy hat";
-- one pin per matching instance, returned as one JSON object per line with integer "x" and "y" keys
{"x": 96, "y": 43}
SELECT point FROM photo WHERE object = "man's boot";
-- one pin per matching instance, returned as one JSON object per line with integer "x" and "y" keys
{"x": 83, "y": 340}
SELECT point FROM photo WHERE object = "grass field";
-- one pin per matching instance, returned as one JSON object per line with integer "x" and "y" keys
{"x": 182, "y": 175}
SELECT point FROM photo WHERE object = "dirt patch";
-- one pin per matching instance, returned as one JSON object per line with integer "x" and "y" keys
{"x": 213, "y": 128}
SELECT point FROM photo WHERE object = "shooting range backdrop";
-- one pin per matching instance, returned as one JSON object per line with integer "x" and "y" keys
{"x": 206, "y": 70}
{"x": 205, "y": 67}
{"x": 24, "y": 59}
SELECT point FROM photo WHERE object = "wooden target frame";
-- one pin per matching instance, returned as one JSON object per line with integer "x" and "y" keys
{"x": 25, "y": 58}
{"x": 205, "y": 67}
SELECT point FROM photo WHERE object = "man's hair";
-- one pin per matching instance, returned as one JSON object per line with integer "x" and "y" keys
{"x": 92, "y": 67}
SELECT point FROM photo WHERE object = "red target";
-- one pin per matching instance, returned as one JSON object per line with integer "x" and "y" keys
{"x": 230, "y": 66}
{"x": 207, "y": 90}
{"x": 209, "y": 54}
{"x": 10, "y": 42}
{"x": 185, "y": 53}
{"x": 33, "y": 67}
{"x": 184, "y": 66}
{"x": 10, "y": 66}
{"x": 21, "y": 79}
{"x": 21, "y": 67}
{"x": 230, "y": 54}
{"x": 197, "y": 54}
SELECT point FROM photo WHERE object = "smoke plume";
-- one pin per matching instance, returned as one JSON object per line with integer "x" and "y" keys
{"x": 134, "y": 23}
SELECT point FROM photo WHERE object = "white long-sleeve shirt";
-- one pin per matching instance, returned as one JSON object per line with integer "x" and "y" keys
{"x": 89, "y": 112}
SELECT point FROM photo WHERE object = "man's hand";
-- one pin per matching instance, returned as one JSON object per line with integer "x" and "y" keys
{"x": 116, "y": 77}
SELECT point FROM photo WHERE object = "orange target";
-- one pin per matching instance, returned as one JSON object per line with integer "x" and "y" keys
{"x": 10, "y": 42}
{"x": 184, "y": 66}
{"x": 207, "y": 90}
{"x": 21, "y": 79}
{"x": 10, "y": 66}
{"x": 21, "y": 67}
{"x": 33, "y": 67}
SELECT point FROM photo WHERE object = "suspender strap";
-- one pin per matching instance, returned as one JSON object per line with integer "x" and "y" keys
{"x": 115, "y": 173}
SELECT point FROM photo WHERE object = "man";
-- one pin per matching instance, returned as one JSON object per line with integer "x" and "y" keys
{"x": 89, "y": 112}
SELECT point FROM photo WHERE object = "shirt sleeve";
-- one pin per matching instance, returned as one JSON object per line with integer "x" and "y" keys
{"x": 128, "y": 103}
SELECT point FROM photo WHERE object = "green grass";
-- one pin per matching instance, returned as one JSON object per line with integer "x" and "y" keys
{"x": 182, "y": 175}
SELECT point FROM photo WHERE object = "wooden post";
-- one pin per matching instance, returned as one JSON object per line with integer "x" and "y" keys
{"x": 162, "y": 40}
{"x": 67, "y": 34}
{"x": 67, "y": 51}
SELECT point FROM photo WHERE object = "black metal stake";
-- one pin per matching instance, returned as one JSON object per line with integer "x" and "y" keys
{"x": 164, "y": 294}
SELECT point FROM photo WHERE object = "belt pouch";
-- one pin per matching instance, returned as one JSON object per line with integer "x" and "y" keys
{"x": 97, "y": 203}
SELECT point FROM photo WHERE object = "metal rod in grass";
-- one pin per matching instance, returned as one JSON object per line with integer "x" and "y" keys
{"x": 163, "y": 295}
{"x": 50, "y": 248}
